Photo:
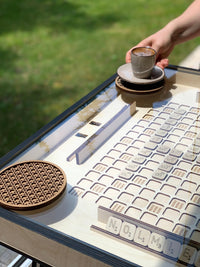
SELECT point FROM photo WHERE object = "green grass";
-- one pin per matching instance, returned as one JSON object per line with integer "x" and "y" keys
{"x": 53, "y": 52}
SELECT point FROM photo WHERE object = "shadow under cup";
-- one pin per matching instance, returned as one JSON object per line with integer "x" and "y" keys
{"x": 143, "y": 60}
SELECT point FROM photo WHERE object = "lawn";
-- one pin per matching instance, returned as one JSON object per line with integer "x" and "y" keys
{"x": 53, "y": 52}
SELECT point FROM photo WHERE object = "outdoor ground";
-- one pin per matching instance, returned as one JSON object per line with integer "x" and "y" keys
{"x": 53, "y": 52}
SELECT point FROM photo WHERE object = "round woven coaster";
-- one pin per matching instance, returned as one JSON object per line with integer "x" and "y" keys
{"x": 31, "y": 184}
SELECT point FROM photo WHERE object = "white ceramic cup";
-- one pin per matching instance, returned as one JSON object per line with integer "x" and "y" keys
{"x": 143, "y": 60}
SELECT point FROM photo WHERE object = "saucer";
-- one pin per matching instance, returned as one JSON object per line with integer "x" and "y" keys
{"x": 125, "y": 72}
{"x": 138, "y": 88}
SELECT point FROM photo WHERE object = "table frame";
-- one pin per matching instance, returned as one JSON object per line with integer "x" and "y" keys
{"x": 19, "y": 231}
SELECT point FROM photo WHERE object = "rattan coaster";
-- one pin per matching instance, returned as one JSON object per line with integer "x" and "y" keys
{"x": 138, "y": 88}
{"x": 30, "y": 185}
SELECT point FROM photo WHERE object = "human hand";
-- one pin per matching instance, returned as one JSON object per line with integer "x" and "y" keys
{"x": 162, "y": 43}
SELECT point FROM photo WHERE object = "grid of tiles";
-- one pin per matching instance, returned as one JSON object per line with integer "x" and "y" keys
{"x": 152, "y": 173}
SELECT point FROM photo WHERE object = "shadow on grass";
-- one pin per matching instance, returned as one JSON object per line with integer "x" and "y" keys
{"x": 8, "y": 57}
{"x": 58, "y": 15}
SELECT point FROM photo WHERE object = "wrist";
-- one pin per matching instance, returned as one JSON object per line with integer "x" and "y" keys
{"x": 173, "y": 32}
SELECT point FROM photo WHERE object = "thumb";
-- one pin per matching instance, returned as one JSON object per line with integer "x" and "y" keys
{"x": 128, "y": 56}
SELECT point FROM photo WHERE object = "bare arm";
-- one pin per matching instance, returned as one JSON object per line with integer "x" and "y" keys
{"x": 187, "y": 25}
{"x": 179, "y": 30}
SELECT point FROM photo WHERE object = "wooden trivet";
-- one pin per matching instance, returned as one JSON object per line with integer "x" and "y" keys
{"x": 31, "y": 184}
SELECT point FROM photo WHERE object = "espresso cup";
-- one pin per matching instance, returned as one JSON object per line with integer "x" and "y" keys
{"x": 143, "y": 60}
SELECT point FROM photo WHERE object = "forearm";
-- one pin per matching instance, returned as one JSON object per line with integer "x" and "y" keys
{"x": 179, "y": 30}
{"x": 186, "y": 26}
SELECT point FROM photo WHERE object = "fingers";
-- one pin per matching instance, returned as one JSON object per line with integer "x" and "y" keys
{"x": 145, "y": 42}
{"x": 128, "y": 56}
{"x": 163, "y": 63}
